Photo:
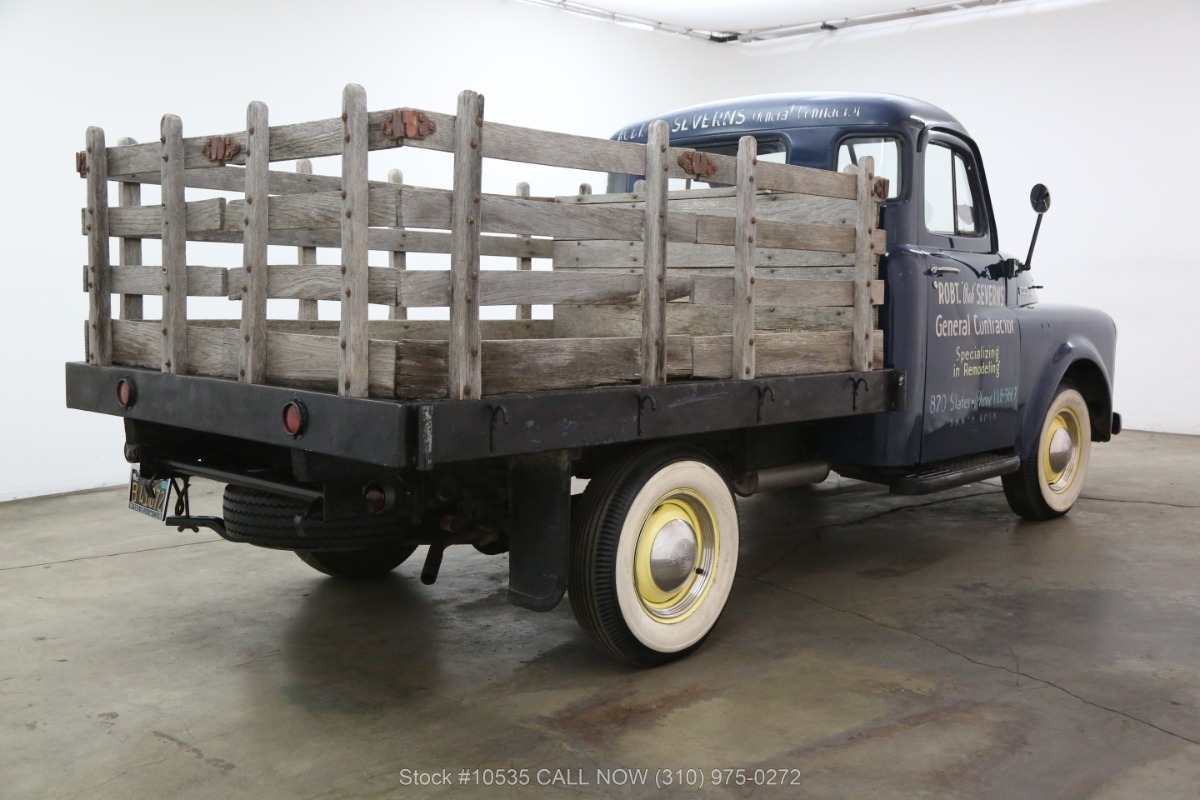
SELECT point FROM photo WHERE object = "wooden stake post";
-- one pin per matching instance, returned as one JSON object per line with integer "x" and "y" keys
{"x": 352, "y": 369}
{"x": 654, "y": 298}
{"x": 743, "y": 271}
{"x": 307, "y": 255}
{"x": 174, "y": 249}
{"x": 398, "y": 259}
{"x": 253, "y": 355}
{"x": 99, "y": 275}
{"x": 131, "y": 246}
{"x": 524, "y": 310}
{"x": 861, "y": 349}
{"x": 466, "y": 381}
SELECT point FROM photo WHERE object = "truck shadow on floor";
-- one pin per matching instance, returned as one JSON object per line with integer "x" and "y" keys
{"x": 356, "y": 647}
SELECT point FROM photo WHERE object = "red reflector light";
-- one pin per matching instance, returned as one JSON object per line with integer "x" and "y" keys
{"x": 294, "y": 418}
{"x": 126, "y": 392}
{"x": 379, "y": 497}
{"x": 376, "y": 496}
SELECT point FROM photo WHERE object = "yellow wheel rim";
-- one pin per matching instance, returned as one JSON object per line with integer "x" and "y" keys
{"x": 676, "y": 555}
{"x": 1060, "y": 450}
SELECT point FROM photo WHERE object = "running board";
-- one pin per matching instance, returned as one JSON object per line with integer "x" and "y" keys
{"x": 960, "y": 472}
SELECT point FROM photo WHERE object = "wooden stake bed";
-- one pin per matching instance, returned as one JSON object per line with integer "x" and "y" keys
{"x": 774, "y": 276}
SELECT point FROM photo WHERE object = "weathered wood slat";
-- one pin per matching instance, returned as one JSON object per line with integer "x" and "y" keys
{"x": 513, "y": 143}
{"x": 524, "y": 310}
{"x": 743, "y": 289}
{"x": 396, "y": 330}
{"x": 783, "y": 235}
{"x": 635, "y": 199}
{"x": 464, "y": 354}
{"x": 352, "y": 362}
{"x": 654, "y": 258}
{"x": 174, "y": 249}
{"x": 684, "y": 318}
{"x": 535, "y": 365}
{"x": 147, "y": 221}
{"x": 864, "y": 264}
{"x": 623, "y": 255}
{"x": 777, "y": 354}
{"x": 232, "y": 179}
{"x": 96, "y": 225}
{"x": 409, "y": 241}
{"x": 142, "y": 280}
{"x": 431, "y": 208}
{"x": 783, "y": 273}
{"x": 312, "y": 362}
{"x": 137, "y": 343}
{"x": 297, "y": 359}
{"x": 288, "y": 143}
{"x": 130, "y": 196}
{"x": 317, "y": 282}
{"x": 307, "y": 256}
{"x": 252, "y": 359}
{"x": 505, "y": 142}
{"x": 497, "y": 288}
{"x": 781, "y": 292}
{"x": 719, "y": 202}
{"x": 805, "y": 180}
{"x": 398, "y": 259}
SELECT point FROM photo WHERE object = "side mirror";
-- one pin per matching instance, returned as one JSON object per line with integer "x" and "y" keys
{"x": 1039, "y": 198}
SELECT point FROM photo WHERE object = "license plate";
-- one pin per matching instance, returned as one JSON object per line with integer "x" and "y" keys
{"x": 149, "y": 496}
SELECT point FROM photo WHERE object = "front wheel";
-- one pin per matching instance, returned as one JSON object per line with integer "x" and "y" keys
{"x": 653, "y": 554}
{"x": 1050, "y": 481}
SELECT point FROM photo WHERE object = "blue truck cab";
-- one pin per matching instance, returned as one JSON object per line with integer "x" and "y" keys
{"x": 998, "y": 382}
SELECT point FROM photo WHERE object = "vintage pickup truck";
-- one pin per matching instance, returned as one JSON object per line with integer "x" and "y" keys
{"x": 770, "y": 289}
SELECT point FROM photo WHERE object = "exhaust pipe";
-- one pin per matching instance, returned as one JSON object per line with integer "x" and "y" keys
{"x": 768, "y": 480}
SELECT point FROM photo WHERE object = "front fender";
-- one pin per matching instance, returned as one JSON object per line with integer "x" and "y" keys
{"x": 1060, "y": 342}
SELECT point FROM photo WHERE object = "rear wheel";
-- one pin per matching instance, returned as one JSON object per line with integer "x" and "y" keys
{"x": 1051, "y": 479}
{"x": 653, "y": 554}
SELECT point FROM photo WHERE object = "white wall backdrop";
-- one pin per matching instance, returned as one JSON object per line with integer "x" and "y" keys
{"x": 1087, "y": 98}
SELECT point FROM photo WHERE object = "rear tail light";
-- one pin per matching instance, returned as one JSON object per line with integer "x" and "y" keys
{"x": 126, "y": 392}
{"x": 295, "y": 418}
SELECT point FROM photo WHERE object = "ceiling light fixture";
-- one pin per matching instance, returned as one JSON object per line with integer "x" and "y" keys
{"x": 762, "y": 34}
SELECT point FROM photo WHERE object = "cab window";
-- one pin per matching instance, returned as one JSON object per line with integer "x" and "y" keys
{"x": 885, "y": 151}
{"x": 950, "y": 204}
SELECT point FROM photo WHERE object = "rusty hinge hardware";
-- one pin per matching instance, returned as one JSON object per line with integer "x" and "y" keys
{"x": 880, "y": 189}
{"x": 81, "y": 165}
{"x": 220, "y": 149}
{"x": 699, "y": 164}
{"x": 408, "y": 123}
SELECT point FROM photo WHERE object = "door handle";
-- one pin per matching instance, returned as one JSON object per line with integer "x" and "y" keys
{"x": 936, "y": 271}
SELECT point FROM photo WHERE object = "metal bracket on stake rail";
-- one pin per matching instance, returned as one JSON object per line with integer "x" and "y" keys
{"x": 408, "y": 123}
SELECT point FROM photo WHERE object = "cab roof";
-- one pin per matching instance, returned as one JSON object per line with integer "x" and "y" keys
{"x": 775, "y": 112}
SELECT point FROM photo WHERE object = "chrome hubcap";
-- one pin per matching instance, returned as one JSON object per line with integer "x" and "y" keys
{"x": 676, "y": 552}
{"x": 1062, "y": 449}
{"x": 1060, "y": 456}
{"x": 673, "y": 555}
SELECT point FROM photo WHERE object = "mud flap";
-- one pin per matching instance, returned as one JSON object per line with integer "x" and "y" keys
{"x": 540, "y": 526}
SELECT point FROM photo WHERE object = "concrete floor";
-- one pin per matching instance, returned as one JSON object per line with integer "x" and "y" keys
{"x": 874, "y": 647}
